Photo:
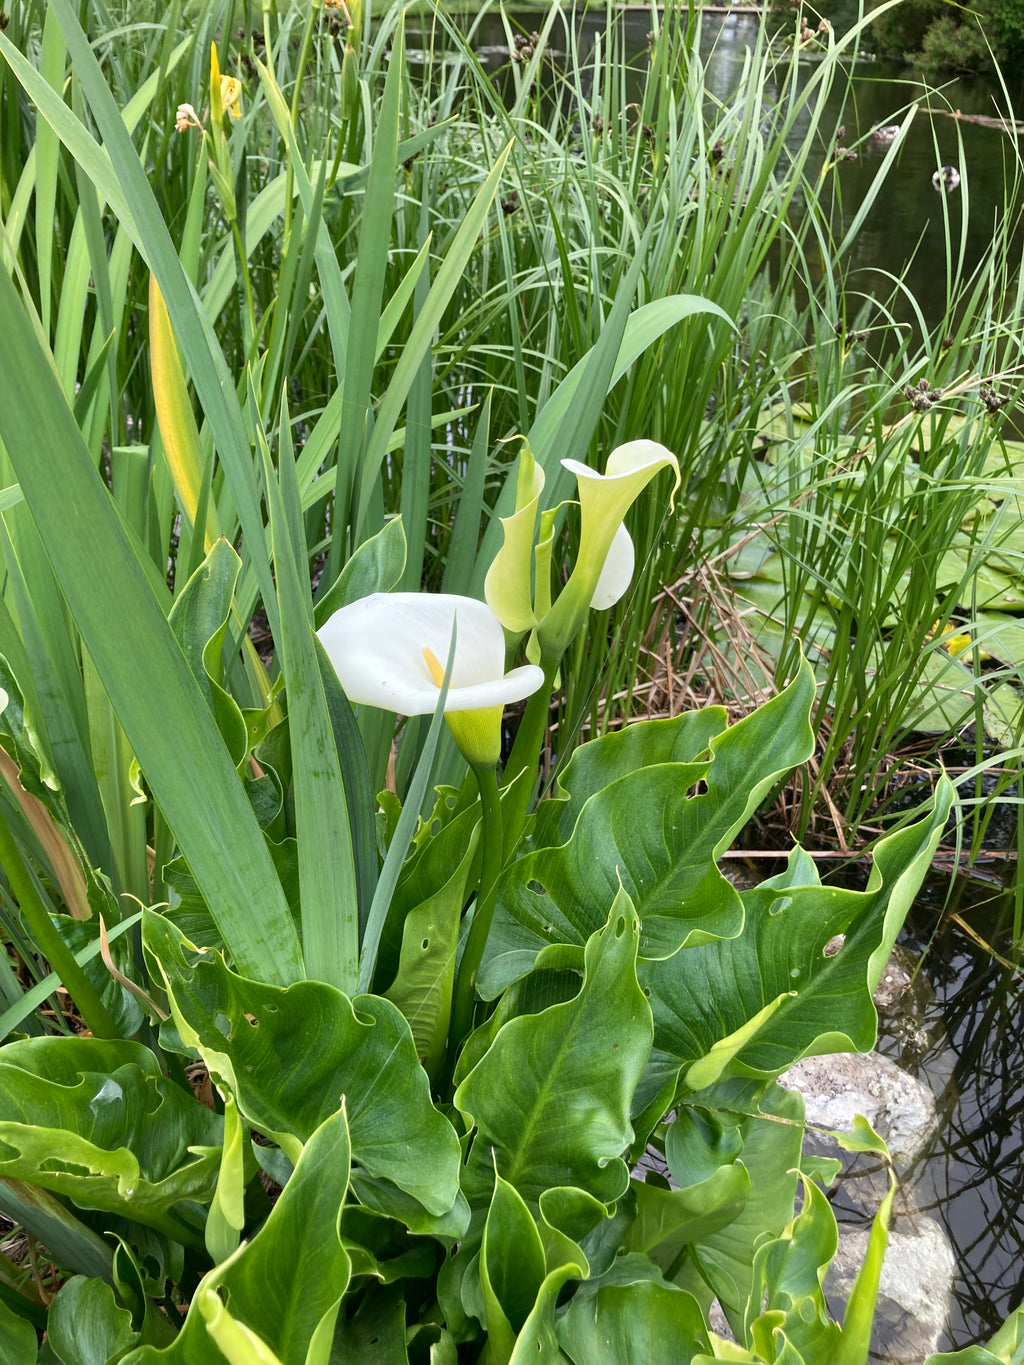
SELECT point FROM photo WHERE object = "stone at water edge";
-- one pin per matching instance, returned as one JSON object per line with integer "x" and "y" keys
{"x": 919, "y": 1268}
{"x": 836, "y": 1088}
{"x": 912, "y": 1313}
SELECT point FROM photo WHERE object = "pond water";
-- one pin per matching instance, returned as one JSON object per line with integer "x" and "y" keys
{"x": 965, "y": 1045}
{"x": 905, "y": 230}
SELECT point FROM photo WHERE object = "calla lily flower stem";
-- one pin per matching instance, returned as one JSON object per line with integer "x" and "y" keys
{"x": 528, "y": 743}
{"x": 491, "y": 854}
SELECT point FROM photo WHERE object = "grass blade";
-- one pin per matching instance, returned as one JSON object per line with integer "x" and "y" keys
{"x": 421, "y": 336}
{"x": 327, "y": 876}
{"x": 367, "y": 292}
{"x": 143, "y": 670}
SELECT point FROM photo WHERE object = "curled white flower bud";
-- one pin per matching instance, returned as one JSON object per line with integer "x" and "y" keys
{"x": 186, "y": 117}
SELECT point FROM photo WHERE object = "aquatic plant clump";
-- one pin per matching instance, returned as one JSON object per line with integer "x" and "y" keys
{"x": 364, "y": 947}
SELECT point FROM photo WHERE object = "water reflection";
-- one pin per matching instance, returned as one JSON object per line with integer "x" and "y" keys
{"x": 972, "y": 1180}
{"x": 906, "y": 228}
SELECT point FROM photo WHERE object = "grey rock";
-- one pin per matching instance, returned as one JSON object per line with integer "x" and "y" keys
{"x": 911, "y": 1317}
{"x": 836, "y": 1088}
{"x": 905, "y": 998}
{"x": 896, "y": 981}
{"x": 914, "y": 1294}
{"x": 719, "y": 1323}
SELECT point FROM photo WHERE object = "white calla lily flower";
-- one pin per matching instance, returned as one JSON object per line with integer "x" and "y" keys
{"x": 616, "y": 573}
{"x": 606, "y": 498}
{"x": 389, "y": 650}
{"x": 605, "y": 549}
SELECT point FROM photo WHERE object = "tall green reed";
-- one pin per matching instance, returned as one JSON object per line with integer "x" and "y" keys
{"x": 893, "y": 504}
{"x": 329, "y": 344}
{"x": 421, "y": 272}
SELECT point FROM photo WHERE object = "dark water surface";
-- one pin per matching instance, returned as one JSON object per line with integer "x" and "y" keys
{"x": 964, "y": 1042}
{"x": 905, "y": 231}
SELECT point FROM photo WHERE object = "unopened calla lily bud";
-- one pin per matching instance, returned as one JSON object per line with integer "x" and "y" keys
{"x": 508, "y": 585}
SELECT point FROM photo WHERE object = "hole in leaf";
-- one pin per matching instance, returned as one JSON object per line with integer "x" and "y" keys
{"x": 425, "y": 944}
{"x": 537, "y": 888}
{"x": 620, "y": 927}
{"x": 223, "y": 1023}
{"x": 449, "y": 801}
{"x": 435, "y": 828}
{"x": 252, "y": 1020}
{"x": 57, "y": 1166}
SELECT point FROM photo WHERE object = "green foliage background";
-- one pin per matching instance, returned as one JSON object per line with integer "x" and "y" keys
{"x": 937, "y": 39}
{"x": 376, "y": 1046}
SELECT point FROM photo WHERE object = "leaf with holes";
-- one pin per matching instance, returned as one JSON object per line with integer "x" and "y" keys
{"x": 289, "y": 1056}
{"x": 637, "y": 819}
{"x": 752, "y": 1005}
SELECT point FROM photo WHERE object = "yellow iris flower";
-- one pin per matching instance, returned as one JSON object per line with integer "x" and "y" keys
{"x": 231, "y": 95}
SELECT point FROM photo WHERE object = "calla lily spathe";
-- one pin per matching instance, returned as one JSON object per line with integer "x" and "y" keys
{"x": 616, "y": 572}
{"x": 604, "y": 565}
{"x": 604, "y": 501}
{"x": 389, "y": 650}
{"x": 507, "y": 586}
